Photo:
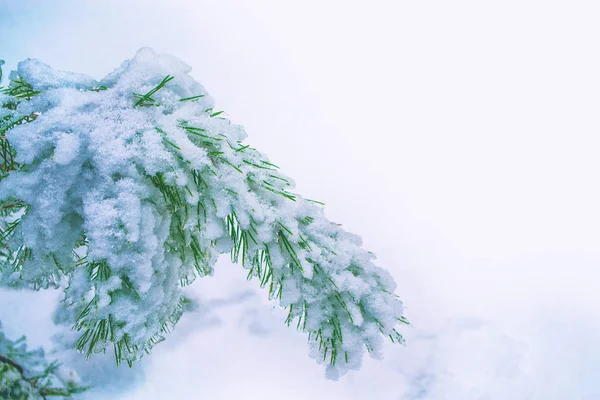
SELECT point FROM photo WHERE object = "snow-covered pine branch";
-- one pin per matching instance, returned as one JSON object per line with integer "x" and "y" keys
{"x": 27, "y": 375}
{"x": 129, "y": 188}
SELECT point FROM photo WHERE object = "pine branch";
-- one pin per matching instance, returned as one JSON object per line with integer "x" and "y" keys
{"x": 44, "y": 384}
{"x": 12, "y": 364}
{"x": 176, "y": 186}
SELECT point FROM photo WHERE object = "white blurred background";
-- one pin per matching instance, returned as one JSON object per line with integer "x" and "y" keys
{"x": 459, "y": 139}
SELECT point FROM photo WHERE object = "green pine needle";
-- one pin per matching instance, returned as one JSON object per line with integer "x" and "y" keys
{"x": 146, "y": 100}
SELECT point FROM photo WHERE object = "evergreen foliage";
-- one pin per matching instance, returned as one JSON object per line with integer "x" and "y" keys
{"x": 124, "y": 191}
{"x": 26, "y": 375}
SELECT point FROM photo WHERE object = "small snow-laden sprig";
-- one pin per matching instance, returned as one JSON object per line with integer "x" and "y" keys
{"x": 28, "y": 375}
{"x": 133, "y": 186}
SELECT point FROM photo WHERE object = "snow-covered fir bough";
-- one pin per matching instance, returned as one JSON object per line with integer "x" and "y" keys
{"x": 125, "y": 190}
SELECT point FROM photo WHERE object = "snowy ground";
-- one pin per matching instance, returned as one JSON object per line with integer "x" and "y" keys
{"x": 459, "y": 140}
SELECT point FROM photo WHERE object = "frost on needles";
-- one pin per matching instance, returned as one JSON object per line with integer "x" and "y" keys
{"x": 125, "y": 190}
